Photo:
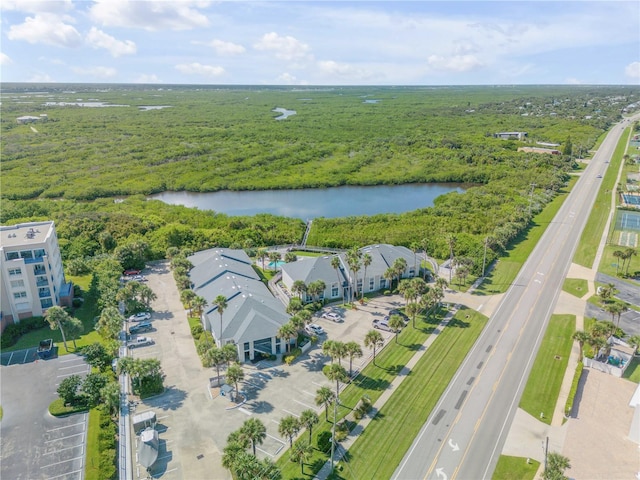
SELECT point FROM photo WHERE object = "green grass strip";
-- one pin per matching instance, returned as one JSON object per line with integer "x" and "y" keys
{"x": 587, "y": 248}
{"x": 575, "y": 286}
{"x": 380, "y": 449}
{"x": 508, "y": 266}
{"x": 515, "y": 468}
{"x": 543, "y": 386}
{"x": 92, "y": 465}
{"x": 633, "y": 370}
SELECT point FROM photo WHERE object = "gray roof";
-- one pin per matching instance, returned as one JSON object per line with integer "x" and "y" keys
{"x": 383, "y": 256}
{"x": 310, "y": 269}
{"x": 252, "y": 312}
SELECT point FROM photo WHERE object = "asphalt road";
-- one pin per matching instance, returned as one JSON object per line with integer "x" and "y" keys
{"x": 465, "y": 433}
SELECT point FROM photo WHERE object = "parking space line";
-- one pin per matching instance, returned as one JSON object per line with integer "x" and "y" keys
{"x": 62, "y": 438}
{"x": 309, "y": 393}
{"x": 63, "y": 449}
{"x": 305, "y": 404}
{"x": 294, "y": 414}
{"x": 163, "y": 473}
{"x": 72, "y": 359}
{"x": 72, "y": 366}
{"x": 25, "y": 356}
{"x": 65, "y": 474}
{"x": 10, "y": 357}
{"x": 245, "y": 411}
{"x": 276, "y": 438}
{"x": 67, "y": 426}
{"x": 69, "y": 374}
{"x": 62, "y": 461}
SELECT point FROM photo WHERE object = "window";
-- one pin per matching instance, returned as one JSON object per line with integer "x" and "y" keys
{"x": 372, "y": 284}
{"x": 383, "y": 283}
{"x": 26, "y": 254}
{"x": 44, "y": 292}
{"x": 12, "y": 255}
{"x": 23, "y": 306}
{"x": 46, "y": 303}
{"x": 17, "y": 283}
{"x": 15, "y": 271}
{"x": 39, "y": 270}
{"x": 39, "y": 253}
{"x": 42, "y": 281}
{"x": 22, "y": 294}
{"x": 334, "y": 290}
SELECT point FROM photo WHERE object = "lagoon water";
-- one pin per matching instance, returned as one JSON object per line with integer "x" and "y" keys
{"x": 318, "y": 202}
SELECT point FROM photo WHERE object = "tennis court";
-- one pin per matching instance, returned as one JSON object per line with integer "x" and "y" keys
{"x": 627, "y": 229}
{"x": 631, "y": 199}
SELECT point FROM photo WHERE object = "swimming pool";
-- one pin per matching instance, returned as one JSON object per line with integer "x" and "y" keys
{"x": 631, "y": 199}
{"x": 277, "y": 264}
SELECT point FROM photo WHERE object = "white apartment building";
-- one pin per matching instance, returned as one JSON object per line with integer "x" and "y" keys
{"x": 31, "y": 274}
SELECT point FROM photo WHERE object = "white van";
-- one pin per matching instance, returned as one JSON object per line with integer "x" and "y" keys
{"x": 139, "y": 342}
{"x": 382, "y": 324}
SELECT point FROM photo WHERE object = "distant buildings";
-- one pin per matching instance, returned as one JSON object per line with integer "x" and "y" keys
{"x": 511, "y": 135}
{"x": 30, "y": 119}
{"x": 32, "y": 277}
{"x": 550, "y": 151}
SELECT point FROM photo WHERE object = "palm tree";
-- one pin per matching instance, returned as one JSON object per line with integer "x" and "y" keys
{"x": 299, "y": 287}
{"x": 328, "y": 349}
{"x": 302, "y": 452}
{"x": 187, "y": 297}
{"x": 255, "y": 431}
{"x": 373, "y": 340}
{"x": 415, "y": 248}
{"x": 214, "y": 357}
{"x": 324, "y": 396}
{"x": 297, "y": 322}
{"x": 619, "y": 254}
{"x": 230, "y": 353}
{"x": 337, "y": 373}
{"x": 309, "y": 418}
{"x": 289, "y": 427}
{"x": 57, "y": 317}
{"x": 399, "y": 266}
{"x": 353, "y": 350}
{"x": 555, "y": 465}
{"x": 221, "y": 303}
{"x": 287, "y": 331}
{"x": 389, "y": 274}
{"x": 290, "y": 257}
{"x": 634, "y": 341}
{"x": 235, "y": 374}
{"x": 74, "y": 328}
{"x": 451, "y": 241}
{"x": 305, "y": 315}
{"x": 353, "y": 260}
{"x": 628, "y": 253}
{"x": 198, "y": 304}
{"x": 366, "y": 261}
{"x": 262, "y": 255}
{"x": 335, "y": 264}
{"x": 396, "y": 323}
{"x": 413, "y": 310}
{"x": 581, "y": 337}
{"x": 274, "y": 257}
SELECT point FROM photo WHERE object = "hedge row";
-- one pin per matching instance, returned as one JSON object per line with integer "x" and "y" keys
{"x": 574, "y": 388}
{"x": 13, "y": 332}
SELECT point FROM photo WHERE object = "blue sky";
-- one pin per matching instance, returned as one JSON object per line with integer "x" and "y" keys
{"x": 320, "y": 43}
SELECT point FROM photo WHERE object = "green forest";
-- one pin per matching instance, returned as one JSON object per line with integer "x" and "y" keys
{"x": 90, "y": 168}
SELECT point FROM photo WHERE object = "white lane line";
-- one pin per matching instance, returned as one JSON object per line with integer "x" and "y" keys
{"x": 64, "y": 474}
{"x": 62, "y": 438}
{"x": 62, "y": 449}
{"x": 68, "y": 426}
{"x": 62, "y": 461}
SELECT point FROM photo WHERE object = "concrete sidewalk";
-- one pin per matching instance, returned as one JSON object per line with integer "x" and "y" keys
{"x": 344, "y": 446}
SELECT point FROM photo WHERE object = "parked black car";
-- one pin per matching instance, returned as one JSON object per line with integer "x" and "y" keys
{"x": 141, "y": 327}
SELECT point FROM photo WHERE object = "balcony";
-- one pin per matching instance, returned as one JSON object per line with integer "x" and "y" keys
{"x": 42, "y": 283}
{"x": 39, "y": 270}
{"x": 33, "y": 260}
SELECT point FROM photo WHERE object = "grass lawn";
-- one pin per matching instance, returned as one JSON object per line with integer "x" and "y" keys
{"x": 92, "y": 467}
{"x": 507, "y": 267}
{"x": 547, "y": 373}
{"x": 609, "y": 262}
{"x": 575, "y": 286}
{"x": 381, "y": 447}
{"x": 372, "y": 381}
{"x": 633, "y": 370}
{"x": 586, "y": 253}
{"x": 515, "y": 468}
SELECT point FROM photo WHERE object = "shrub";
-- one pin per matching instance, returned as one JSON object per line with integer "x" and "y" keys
{"x": 295, "y": 353}
{"x": 14, "y": 331}
{"x": 76, "y": 302}
{"x": 324, "y": 442}
{"x": 574, "y": 388}
{"x": 57, "y": 408}
{"x": 196, "y": 331}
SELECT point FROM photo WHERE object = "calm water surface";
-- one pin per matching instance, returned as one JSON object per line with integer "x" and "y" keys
{"x": 311, "y": 203}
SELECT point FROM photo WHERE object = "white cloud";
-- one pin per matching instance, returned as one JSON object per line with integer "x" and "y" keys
{"x": 46, "y": 28}
{"x": 223, "y": 48}
{"x": 5, "y": 59}
{"x": 454, "y": 63}
{"x": 41, "y": 78}
{"x": 147, "y": 78}
{"x": 573, "y": 81}
{"x": 285, "y": 48}
{"x": 288, "y": 79}
{"x": 100, "y": 72}
{"x": 344, "y": 70}
{"x": 632, "y": 70}
{"x": 37, "y": 6}
{"x": 199, "y": 69}
{"x": 150, "y": 15}
{"x": 99, "y": 39}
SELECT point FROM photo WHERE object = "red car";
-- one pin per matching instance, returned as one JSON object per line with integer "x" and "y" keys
{"x": 132, "y": 272}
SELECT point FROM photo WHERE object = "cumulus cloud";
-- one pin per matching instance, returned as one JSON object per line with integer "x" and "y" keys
{"x": 150, "y": 15}
{"x": 36, "y": 6}
{"x": 46, "y": 28}
{"x": 98, "y": 39}
{"x": 454, "y": 63}
{"x": 100, "y": 72}
{"x": 288, "y": 79}
{"x": 344, "y": 70}
{"x": 283, "y": 47}
{"x": 5, "y": 59}
{"x": 633, "y": 70}
{"x": 224, "y": 48}
{"x": 40, "y": 78}
{"x": 199, "y": 69}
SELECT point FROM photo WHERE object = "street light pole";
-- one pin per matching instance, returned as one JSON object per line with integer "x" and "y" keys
{"x": 333, "y": 429}
{"x": 533, "y": 186}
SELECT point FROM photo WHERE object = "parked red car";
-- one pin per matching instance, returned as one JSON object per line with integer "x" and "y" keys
{"x": 129, "y": 273}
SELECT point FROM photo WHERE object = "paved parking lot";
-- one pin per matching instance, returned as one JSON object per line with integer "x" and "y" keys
{"x": 194, "y": 422}
{"x": 34, "y": 444}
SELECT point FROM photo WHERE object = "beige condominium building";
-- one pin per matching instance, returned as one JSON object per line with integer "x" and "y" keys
{"x": 31, "y": 274}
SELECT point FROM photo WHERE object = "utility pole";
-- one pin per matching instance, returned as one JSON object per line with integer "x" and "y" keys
{"x": 484, "y": 258}
{"x": 533, "y": 186}
{"x": 333, "y": 429}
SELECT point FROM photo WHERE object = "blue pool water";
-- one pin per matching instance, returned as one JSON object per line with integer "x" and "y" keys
{"x": 278, "y": 264}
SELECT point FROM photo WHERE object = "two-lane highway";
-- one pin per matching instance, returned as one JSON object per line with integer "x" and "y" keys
{"x": 465, "y": 433}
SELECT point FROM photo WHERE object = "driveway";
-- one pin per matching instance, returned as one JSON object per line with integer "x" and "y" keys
{"x": 34, "y": 444}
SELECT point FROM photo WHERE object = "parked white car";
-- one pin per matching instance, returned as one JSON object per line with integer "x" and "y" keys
{"x": 314, "y": 329}
{"x": 139, "y": 342}
{"x": 140, "y": 317}
{"x": 334, "y": 317}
